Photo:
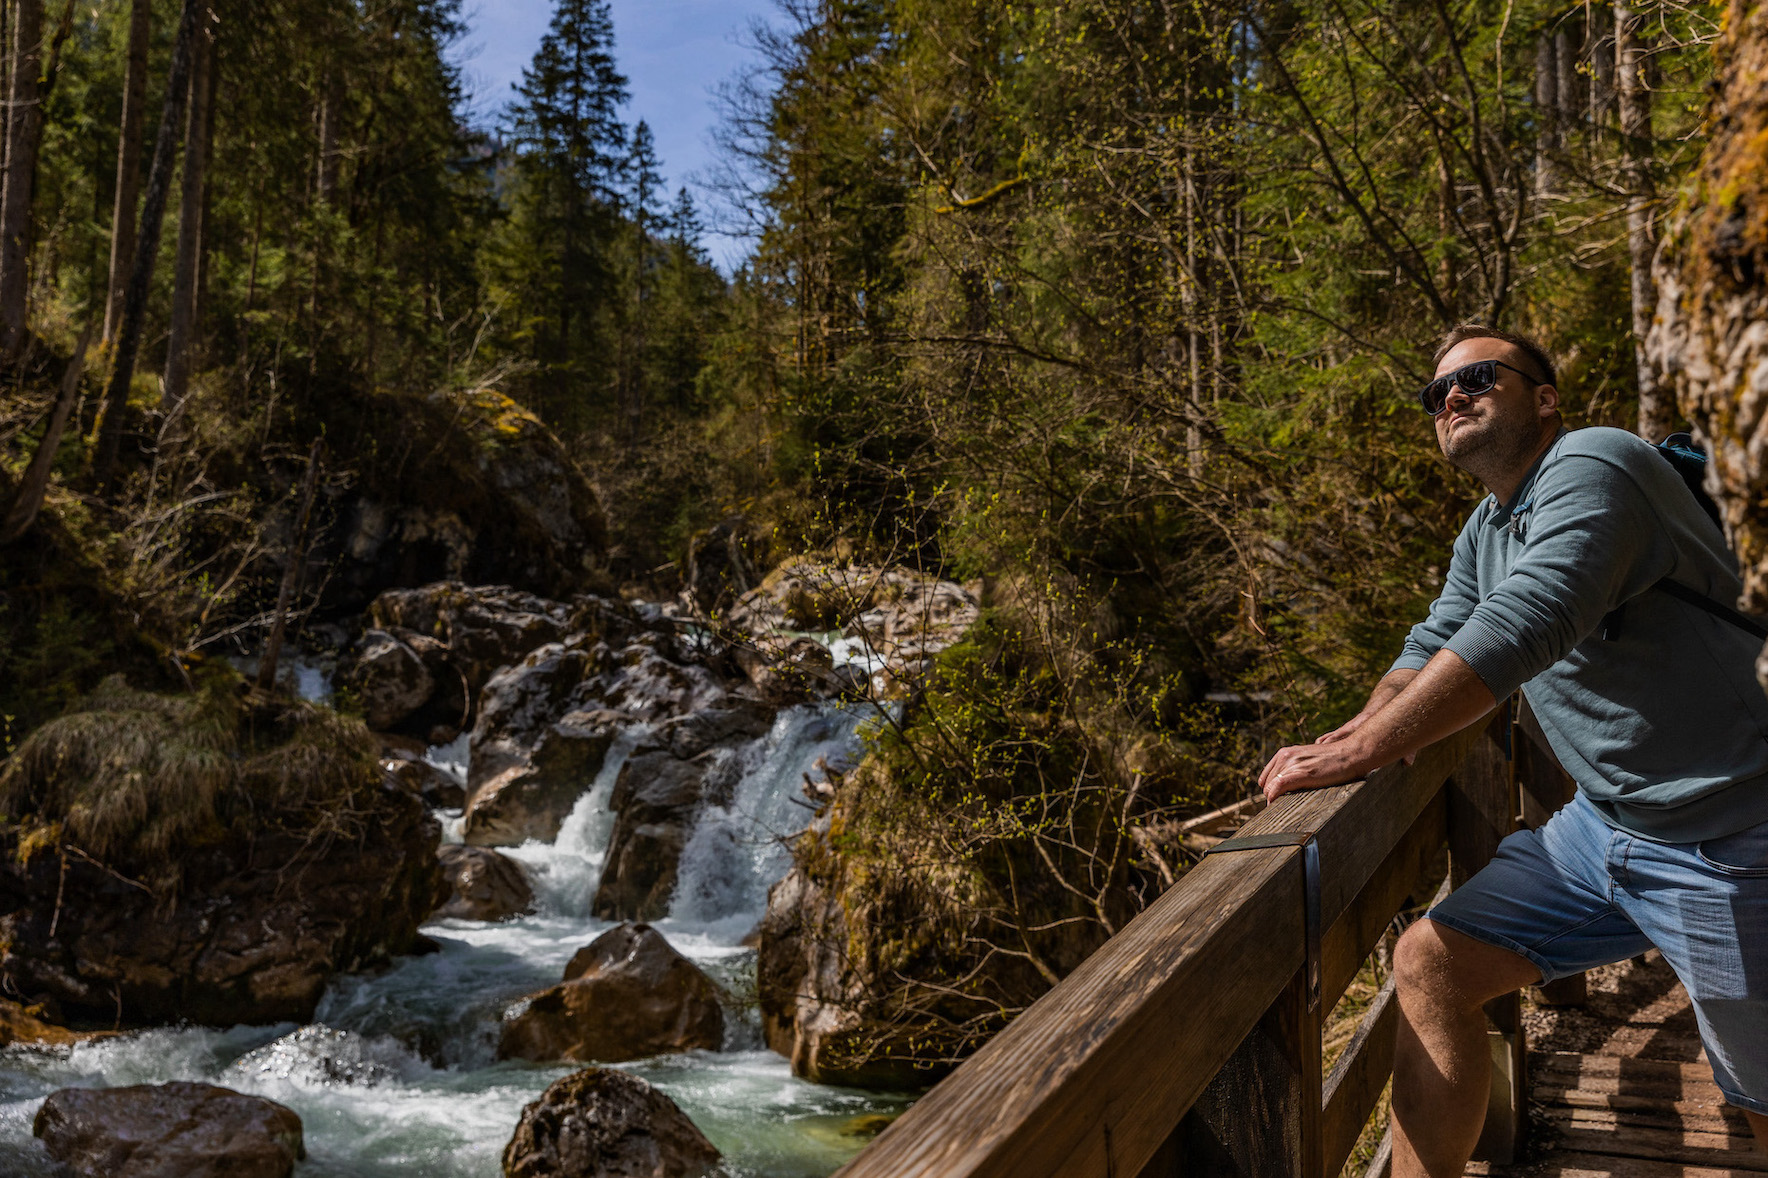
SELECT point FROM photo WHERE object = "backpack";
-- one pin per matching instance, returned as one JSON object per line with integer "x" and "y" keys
{"x": 1684, "y": 454}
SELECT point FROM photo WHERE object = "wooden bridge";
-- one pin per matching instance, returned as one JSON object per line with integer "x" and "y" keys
{"x": 1190, "y": 1044}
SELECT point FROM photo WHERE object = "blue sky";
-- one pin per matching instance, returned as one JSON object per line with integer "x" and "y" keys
{"x": 674, "y": 54}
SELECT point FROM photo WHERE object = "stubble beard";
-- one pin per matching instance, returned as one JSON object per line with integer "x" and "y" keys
{"x": 1493, "y": 448}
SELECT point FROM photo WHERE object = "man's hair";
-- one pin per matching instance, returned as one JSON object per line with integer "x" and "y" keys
{"x": 1534, "y": 351}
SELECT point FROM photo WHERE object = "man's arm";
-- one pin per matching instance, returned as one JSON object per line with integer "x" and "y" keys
{"x": 1391, "y": 685}
{"x": 1443, "y": 698}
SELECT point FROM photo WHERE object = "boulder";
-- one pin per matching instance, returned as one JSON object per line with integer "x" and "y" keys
{"x": 176, "y": 1130}
{"x": 480, "y": 884}
{"x": 253, "y": 935}
{"x": 480, "y": 490}
{"x": 875, "y": 954}
{"x": 530, "y": 798}
{"x": 627, "y": 995}
{"x": 545, "y": 725}
{"x": 484, "y": 628}
{"x": 679, "y": 768}
{"x": 904, "y": 618}
{"x": 430, "y": 785}
{"x": 1708, "y": 342}
{"x": 390, "y": 678}
{"x": 789, "y": 670}
{"x": 602, "y": 1123}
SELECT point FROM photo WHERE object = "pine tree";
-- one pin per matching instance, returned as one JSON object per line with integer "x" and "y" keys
{"x": 552, "y": 264}
{"x": 642, "y": 183}
{"x": 685, "y": 229}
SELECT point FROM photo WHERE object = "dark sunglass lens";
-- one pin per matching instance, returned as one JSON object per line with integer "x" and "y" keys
{"x": 1434, "y": 395}
{"x": 1477, "y": 377}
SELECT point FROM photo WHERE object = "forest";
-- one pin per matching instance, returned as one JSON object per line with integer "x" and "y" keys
{"x": 1107, "y": 318}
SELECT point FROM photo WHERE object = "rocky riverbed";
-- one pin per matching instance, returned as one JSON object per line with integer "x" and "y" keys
{"x": 607, "y": 763}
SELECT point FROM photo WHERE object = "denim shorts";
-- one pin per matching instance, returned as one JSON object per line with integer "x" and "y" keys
{"x": 1577, "y": 893}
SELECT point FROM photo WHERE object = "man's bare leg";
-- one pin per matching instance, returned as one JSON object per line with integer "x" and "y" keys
{"x": 1442, "y": 1065}
{"x": 1758, "y": 1126}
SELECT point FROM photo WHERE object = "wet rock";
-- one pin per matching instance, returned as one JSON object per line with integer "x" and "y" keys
{"x": 735, "y": 721}
{"x": 484, "y": 628}
{"x": 480, "y": 884}
{"x": 627, "y": 995}
{"x": 176, "y": 1130}
{"x": 546, "y": 724}
{"x": 602, "y": 1123}
{"x": 430, "y": 785}
{"x": 256, "y": 930}
{"x": 903, "y": 618}
{"x": 530, "y": 798}
{"x": 656, "y": 802}
{"x": 390, "y": 679}
{"x": 788, "y": 671}
{"x": 683, "y": 765}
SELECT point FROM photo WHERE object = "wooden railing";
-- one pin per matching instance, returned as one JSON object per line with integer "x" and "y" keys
{"x": 1190, "y": 1043}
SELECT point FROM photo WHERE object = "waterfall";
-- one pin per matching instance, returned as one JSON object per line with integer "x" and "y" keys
{"x": 738, "y": 851}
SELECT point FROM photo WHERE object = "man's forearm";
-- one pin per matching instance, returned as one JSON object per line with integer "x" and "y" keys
{"x": 1391, "y": 685}
{"x": 1443, "y": 698}
{"x": 1438, "y": 701}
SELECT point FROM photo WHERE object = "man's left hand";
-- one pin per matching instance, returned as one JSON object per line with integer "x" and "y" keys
{"x": 1310, "y": 766}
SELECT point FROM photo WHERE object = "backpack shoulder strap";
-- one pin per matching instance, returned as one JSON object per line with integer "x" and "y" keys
{"x": 1700, "y": 600}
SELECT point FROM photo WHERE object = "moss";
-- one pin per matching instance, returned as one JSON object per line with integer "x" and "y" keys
{"x": 138, "y": 779}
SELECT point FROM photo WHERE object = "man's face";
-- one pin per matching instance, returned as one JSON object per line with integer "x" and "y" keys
{"x": 1501, "y": 425}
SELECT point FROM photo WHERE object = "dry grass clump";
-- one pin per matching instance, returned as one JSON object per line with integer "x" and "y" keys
{"x": 135, "y": 779}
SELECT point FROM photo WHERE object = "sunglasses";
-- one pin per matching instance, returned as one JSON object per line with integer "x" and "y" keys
{"x": 1476, "y": 380}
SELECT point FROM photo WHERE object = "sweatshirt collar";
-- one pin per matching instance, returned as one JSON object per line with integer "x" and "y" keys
{"x": 1510, "y": 514}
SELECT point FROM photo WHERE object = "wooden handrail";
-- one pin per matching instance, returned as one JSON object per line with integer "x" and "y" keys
{"x": 1204, "y": 994}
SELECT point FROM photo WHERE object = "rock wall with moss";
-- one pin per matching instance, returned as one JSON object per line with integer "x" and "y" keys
{"x": 1711, "y": 333}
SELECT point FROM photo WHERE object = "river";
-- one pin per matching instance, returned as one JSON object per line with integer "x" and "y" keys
{"x": 396, "y": 1076}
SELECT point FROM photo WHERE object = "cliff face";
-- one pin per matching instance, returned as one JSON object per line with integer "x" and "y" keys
{"x": 1710, "y": 338}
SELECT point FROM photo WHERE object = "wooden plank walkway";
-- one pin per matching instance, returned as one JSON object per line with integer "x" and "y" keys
{"x": 1620, "y": 1087}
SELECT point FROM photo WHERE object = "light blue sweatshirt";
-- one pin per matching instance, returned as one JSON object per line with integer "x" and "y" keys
{"x": 1664, "y": 727}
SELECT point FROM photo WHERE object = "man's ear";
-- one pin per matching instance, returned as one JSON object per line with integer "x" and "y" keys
{"x": 1546, "y": 400}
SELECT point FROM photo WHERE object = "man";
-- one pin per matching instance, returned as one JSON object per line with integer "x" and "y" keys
{"x": 1651, "y": 704}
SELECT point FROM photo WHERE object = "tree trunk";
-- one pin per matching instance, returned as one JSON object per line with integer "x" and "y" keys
{"x": 186, "y": 272}
{"x": 329, "y": 114}
{"x": 23, "y": 134}
{"x": 128, "y": 163}
{"x": 1546, "y": 114}
{"x": 291, "y": 573}
{"x": 1602, "y": 72}
{"x": 35, "y": 484}
{"x": 1565, "y": 59}
{"x": 1657, "y": 409}
{"x": 147, "y": 248}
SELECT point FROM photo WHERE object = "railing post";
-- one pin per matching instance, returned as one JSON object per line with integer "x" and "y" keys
{"x": 1260, "y": 1116}
{"x": 1483, "y": 805}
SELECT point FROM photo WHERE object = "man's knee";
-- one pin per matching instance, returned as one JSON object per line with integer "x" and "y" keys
{"x": 1438, "y": 964}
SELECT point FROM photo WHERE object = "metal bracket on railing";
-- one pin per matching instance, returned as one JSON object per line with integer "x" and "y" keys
{"x": 1310, "y": 855}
